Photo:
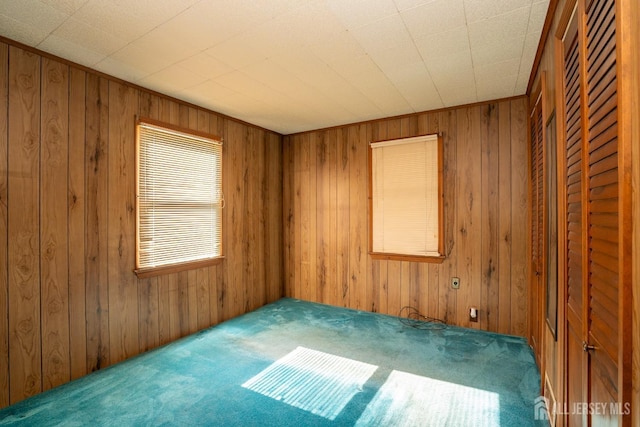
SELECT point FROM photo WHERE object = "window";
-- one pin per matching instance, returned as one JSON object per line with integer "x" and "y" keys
{"x": 406, "y": 199}
{"x": 179, "y": 199}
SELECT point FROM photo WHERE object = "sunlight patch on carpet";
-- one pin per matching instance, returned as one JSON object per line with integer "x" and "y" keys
{"x": 313, "y": 381}
{"x": 408, "y": 400}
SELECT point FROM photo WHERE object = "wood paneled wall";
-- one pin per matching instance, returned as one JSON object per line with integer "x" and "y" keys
{"x": 486, "y": 204}
{"x": 69, "y": 301}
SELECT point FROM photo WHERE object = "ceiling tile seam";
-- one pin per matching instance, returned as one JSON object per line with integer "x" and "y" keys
{"x": 209, "y": 47}
{"x": 376, "y": 64}
{"x": 366, "y": 23}
{"x": 424, "y": 62}
{"x": 177, "y": 64}
{"x": 131, "y": 42}
{"x": 355, "y": 88}
{"x": 283, "y": 95}
{"x": 216, "y": 81}
{"x": 473, "y": 66}
{"x": 178, "y": 61}
{"x": 234, "y": 90}
{"x": 347, "y": 82}
{"x": 358, "y": 90}
{"x": 97, "y": 31}
{"x": 387, "y": 77}
{"x": 54, "y": 30}
{"x": 524, "y": 41}
{"x": 10, "y": 18}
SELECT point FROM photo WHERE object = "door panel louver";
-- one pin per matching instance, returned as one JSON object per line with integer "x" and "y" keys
{"x": 537, "y": 214}
{"x": 603, "y": 206}
{"x": 534, "y": 193}
{"x": 574, "y": 178}
{"x": 574, "y": 222}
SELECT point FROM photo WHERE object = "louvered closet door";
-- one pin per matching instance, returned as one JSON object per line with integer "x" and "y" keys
{"x": 603, "y": 218}
{"x": 592, "y": 206}
{"x": 576, "y": 369}
{"x": 537, "y": 212}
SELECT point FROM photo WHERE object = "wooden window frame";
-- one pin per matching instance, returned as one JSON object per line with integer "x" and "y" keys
{"x": 145, "y": 272}
{"x": 436, "y": 259}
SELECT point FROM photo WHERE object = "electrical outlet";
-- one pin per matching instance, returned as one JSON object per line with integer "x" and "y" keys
{"x": 455, "y": 283}
{"x": 473, "y": 314}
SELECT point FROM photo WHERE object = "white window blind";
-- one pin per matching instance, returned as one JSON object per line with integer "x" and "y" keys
{"x": 180, "y": 197}
{"x": 405, "y": 192}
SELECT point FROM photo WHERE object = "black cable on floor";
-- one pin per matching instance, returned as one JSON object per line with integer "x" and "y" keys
{"x": 411, "y": 316}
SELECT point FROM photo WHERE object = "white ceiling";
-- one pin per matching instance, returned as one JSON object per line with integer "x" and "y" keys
{"x": 295, "y": 65}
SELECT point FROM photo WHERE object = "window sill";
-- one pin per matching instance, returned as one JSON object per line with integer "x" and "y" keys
{"x": 144, "y": 273}
{"x": 432, "y": 259}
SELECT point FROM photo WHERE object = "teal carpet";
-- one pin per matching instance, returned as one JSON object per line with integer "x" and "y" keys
{"x": 295, "y": 363}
